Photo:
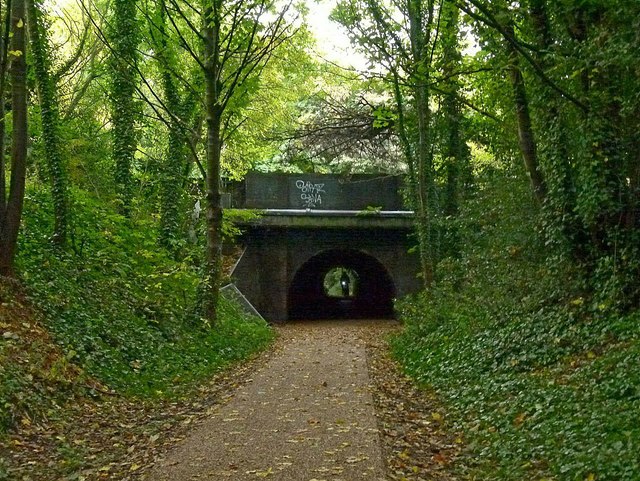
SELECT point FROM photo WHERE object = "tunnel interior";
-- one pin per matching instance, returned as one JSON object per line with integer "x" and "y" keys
{"x": 341, "y": 284}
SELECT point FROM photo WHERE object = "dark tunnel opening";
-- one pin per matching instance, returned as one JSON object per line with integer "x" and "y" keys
{"x": 341, "y": 284}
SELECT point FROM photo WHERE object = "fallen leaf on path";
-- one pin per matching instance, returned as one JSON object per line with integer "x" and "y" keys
{"x": 264, "y": 474}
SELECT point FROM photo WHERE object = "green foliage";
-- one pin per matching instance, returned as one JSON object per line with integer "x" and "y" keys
{"x": 543, "y": 381}
{"x": 124, "y": 38}
{"x": 123, "y": 307}
{"x": 267, "y": 106}
{"x": 233, "y": 217}
{"x": 370, "y": 210}
{"x": 50, "y": 119}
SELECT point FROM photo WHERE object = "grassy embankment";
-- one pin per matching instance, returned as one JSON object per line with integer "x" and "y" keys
{"x": 114, "y": 314}
{"x": 543, "y": 380}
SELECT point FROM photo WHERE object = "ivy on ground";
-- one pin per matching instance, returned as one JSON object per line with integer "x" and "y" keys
{"x": 115, "y": 313}
{"x": 544, "y": 382}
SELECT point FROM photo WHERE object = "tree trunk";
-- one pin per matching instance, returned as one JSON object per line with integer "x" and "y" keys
{"x": 124, "y": 42}
{"x": 10, "y": 220}
{"x": 214, "y": 148}
{"x": 455, "y": 152}
{"x": 554, "y": 157}
{"x": 172, "y": 168}
{"x": 526, "y": 137}
{"x": 214, "y": 216}
{"x": 50, "y": 118}
{"x": 171, "y": 173}
{"x": 4, "y": 45}
{"x": 425, "y": 189}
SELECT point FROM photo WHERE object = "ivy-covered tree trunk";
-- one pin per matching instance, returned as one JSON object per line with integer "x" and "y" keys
{"x": 455, "y": 153}
{"x": 171, "y": 172}
{"x": 11, "y": 215}
{"x": 554, "y": 152}
{"x": 124, "y": 40}
{"x": 173, "y": 164}
{"x": 50, "y": 119}
{"x": 454, "y": 150}
{"x": 5, "y": 29}
{"x": 420, "y": 18}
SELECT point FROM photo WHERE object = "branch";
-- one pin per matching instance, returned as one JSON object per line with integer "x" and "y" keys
{"x": 490, "y": 20}
{"x": 68, "y": 65}
{"x": 78, "y": 94}
{"x": 183, "y": 41}
{"x": 255, "y": 58}
{"x": 467, "y": 103}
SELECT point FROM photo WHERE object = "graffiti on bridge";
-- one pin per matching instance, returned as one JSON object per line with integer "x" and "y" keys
{"x": 310, "y": 193}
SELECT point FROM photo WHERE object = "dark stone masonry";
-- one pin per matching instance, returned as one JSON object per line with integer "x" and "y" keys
{"x": 312, "y": 226}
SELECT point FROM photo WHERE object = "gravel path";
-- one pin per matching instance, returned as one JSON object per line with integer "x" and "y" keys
{"x": 307, "y": 414}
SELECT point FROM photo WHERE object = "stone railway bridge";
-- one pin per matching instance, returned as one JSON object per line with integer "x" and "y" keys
{"x": 324, "y": 247}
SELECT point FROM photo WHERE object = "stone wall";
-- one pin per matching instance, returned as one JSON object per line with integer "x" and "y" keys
{"x": 317, "y": 191}
{"x": 273, "y": 256}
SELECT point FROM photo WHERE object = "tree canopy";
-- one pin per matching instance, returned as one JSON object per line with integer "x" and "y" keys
{"x": 151, "y": 105}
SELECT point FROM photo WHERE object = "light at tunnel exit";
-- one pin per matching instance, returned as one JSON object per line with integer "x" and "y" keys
{"x": 341, "y": 284}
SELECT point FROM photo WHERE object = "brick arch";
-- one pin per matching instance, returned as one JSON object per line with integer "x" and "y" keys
{"x": 306, "y": 298}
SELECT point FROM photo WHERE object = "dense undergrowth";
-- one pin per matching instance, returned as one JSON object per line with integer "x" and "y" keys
{"x": 113, "y": 313}
{"x": 544, "y": 381}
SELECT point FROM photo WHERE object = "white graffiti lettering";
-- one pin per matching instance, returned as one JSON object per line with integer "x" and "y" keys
{"x": 310, "y": 194}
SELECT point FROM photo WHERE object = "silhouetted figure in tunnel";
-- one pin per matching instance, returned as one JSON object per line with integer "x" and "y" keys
{"x": 344, "y": 283}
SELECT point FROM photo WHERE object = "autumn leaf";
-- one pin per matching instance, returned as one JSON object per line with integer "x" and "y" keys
{"x": 440, "y": 458}
{"x": 404, "y": 455}
{"x": 519, "y": 419}
{"x": 264, "y": 474}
